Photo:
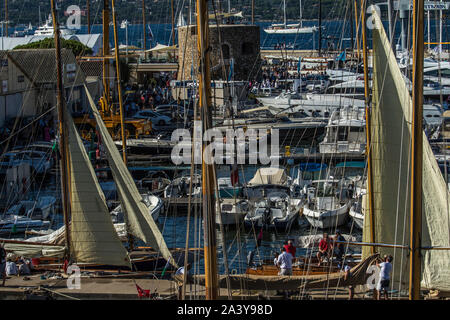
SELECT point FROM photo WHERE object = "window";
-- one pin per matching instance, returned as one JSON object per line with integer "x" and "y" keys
{"x": 247, "y": 48}
{"x": 226, "y": 51}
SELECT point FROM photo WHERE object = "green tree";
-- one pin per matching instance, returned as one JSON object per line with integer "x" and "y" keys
{"x": 77, "y": 47}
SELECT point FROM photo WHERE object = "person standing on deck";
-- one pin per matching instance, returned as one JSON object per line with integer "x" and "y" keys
{"x": 290, "y": 248}
{"x": 284, "y": 261}
{"x": 385, "y": 276}
{"x": 324, "y": 248}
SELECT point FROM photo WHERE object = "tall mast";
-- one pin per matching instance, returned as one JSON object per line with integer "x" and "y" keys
{"x": 6, "y": 18}
{"x": 301, "y": 14}
{"x": 416, "y": 152}
{"x": 88, "y": 14}
{"x": 320, "y": 27}
{"x": 106, "y": 51}
{"x": 284, "y": 11}
{"x": 357, "y": 29}
{"x": 173, "y": 24}
{"x": 144, "y": 25}
{"x": 208, "y": 183}
{"x": 368, "y": 127}
{"x": 62, "y": 130}
{"x": 119, "y": 85}
{"x": 352, "y": 45}
{"x": 253, "y": 11}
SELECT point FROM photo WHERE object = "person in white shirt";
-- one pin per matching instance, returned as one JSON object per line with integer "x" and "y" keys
{"x": 385, "y": 275}
{"x": 11, "y": 268}
{"x": 284, "y": 261}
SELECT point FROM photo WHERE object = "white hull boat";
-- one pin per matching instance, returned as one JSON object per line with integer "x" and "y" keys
{"x": 232, "y": 211}
{"x": 328, "y": 214}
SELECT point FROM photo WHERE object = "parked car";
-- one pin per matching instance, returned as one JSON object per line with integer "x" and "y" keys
{"x": 154, "y": 117}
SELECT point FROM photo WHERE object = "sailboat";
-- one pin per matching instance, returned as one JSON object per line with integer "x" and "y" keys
{"x": 284, "y": 28}
{"x": 90, "y": 237}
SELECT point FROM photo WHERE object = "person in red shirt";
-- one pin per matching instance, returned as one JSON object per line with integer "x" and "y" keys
{"x": 324, "y": 248}
{"x": 290, "y": 248}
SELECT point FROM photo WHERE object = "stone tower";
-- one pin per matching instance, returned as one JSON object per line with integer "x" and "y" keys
{"x": 239, "y": 42}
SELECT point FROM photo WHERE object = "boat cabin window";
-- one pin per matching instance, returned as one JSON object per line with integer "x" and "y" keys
{"x": 342, "y": 133}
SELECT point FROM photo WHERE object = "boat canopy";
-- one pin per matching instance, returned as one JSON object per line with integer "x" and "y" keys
{"x": 272, "y": 175}
{"x": 351, "y": 164}
{"x": 312, "y": 167}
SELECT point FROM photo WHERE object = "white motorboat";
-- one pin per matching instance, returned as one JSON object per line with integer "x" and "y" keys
{"x": 271, "y": 204}
{"x": 47, "y": 29}
{"x": 345, "y": 132}
{"x": 326, "y": 213}
{"x": 323, "y": 209}
{"x": 154, "y": 204}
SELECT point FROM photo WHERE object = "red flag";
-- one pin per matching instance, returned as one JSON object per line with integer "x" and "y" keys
{"x": 66, "y": 264}
{"x": 142, "y": 292}
{"x": 234, "y": 175}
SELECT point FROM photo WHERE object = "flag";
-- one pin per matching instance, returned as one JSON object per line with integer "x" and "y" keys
{"x": 142, "y": 292}
{"x": 234, "y": 175}
{"x": 230, "y": 75}
{"x": 299, "y": 65}
{"x": 165, "y": 267}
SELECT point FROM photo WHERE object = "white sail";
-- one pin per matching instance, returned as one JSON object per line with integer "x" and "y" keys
{"x": 391, "y": 143}
{"x": 93, "y": 237}
{"x": 139, "y": 222}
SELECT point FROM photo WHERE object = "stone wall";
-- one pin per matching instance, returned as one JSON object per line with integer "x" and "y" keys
{"x": 239, "y": 42}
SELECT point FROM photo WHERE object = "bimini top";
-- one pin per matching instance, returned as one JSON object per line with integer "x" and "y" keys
{"x": 270, "y": 175}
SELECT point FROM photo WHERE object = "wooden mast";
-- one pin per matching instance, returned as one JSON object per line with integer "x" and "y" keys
{"x": 368, "y": 127}
{"x": 253, "y": 11}
{"x": 88, "y": 14}
{"x": 208, "y": 183}
{"x": 119, "y": 85}
{"x": 144, "y": 31}
{"x": 106, "y": 51}
{"x": 416, "y": 152}
{"x": 62, "y": 130}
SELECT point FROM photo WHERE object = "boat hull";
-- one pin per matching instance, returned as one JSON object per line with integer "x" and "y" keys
{"x": 327, "y": 219}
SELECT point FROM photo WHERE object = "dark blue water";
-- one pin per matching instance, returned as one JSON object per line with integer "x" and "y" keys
{"x": 334, "y": 32}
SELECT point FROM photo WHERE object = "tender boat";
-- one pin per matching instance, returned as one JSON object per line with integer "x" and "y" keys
{"x": 180, "y": 187}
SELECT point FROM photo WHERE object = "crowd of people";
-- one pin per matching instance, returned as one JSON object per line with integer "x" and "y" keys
{"x": 327, "y": 248}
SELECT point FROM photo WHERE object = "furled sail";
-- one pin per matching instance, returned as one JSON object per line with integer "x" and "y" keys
{"x": 391, "y": 147}
{"x": 93, "y": 237}
{"x": 139, "y": 222}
